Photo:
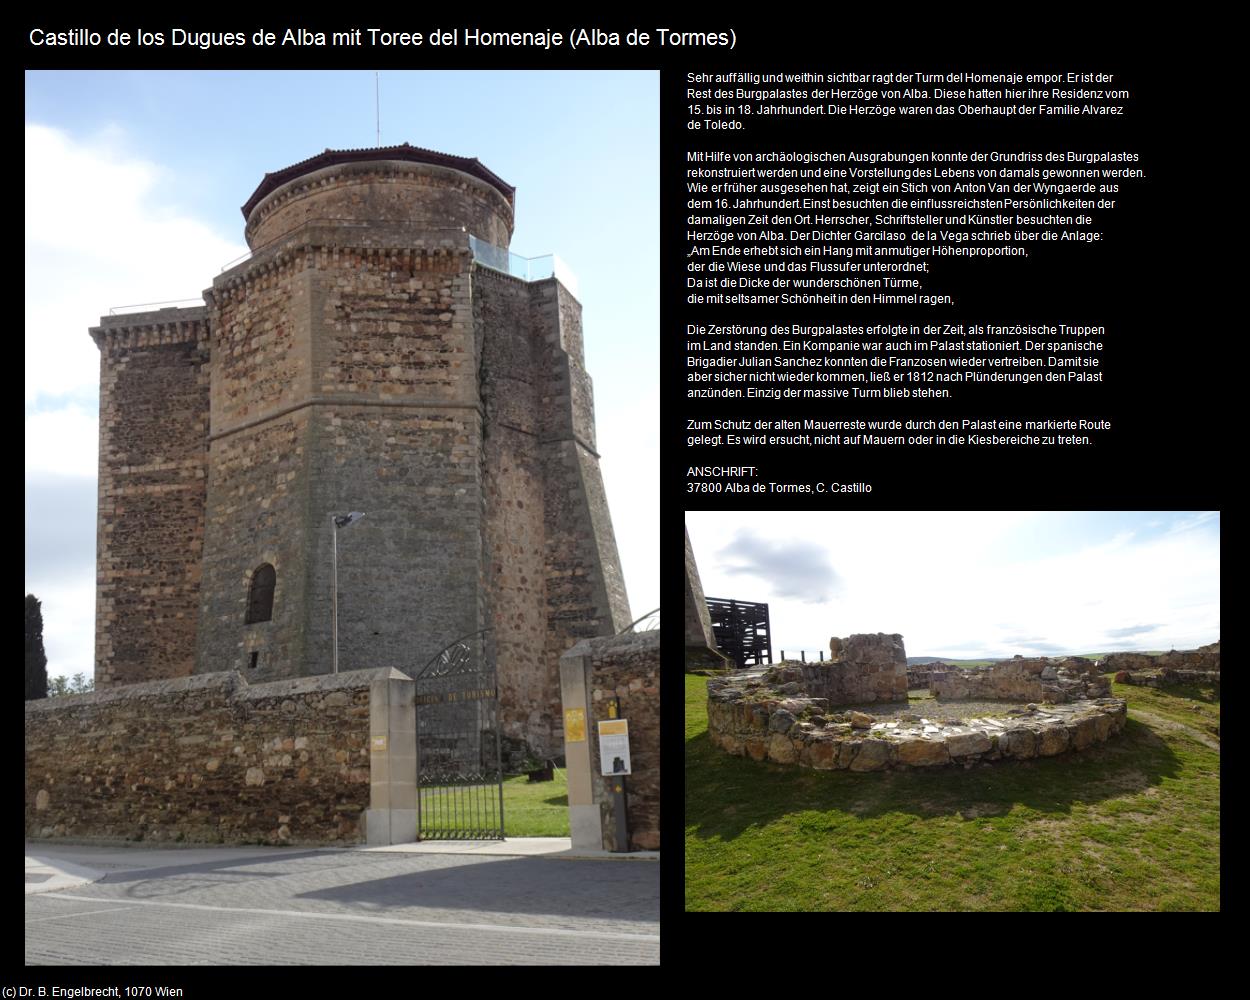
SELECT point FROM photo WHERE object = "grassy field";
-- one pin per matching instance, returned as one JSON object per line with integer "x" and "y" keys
{"x": 1132, "y": 825}
{"x": 530, "y": 809}
{"x": 537, "y": 809}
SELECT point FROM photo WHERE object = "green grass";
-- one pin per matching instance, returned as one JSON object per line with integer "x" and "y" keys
{"x": 530, "y": 809}
{"x": 537, "y": 809}
{"x": 1195, "y": 705}
{"x": 1132, "y": 825}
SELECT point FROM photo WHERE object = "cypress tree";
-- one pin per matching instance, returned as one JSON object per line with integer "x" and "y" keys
{"x": 36, "y": 659}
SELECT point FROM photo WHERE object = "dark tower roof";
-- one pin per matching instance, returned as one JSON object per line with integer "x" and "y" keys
{"x": 414, "y": 154}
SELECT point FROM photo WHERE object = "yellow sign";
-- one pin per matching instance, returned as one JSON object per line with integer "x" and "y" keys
{"x": 619, "y": 727}
{"x": 378, "y": 744}
{"x": 574, "y": 725}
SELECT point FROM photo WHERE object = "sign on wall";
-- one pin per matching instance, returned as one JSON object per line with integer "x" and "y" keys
{"x": 614, "y": 746}
{"x": 574, "y": 725}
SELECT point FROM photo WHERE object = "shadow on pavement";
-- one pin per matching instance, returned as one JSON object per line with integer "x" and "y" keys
{"x": 512, "y": 885}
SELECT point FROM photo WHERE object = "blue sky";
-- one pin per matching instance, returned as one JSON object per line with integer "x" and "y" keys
{"x": 971, "y": 583}
{"x": 134, "y": 182}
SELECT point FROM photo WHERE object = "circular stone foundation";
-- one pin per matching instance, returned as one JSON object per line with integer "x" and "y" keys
{"x": 749, "y": 717}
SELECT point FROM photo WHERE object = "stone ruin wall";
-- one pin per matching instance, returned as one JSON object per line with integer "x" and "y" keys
{"x": 203, "y": 759}
{"x": 747, "y": 720}
{"x": 862, "y": 669}
{"x": 918, "y": 676}
{"x": 1189, "y": 666}
{"x": 1203, "y": 658}
{"x": 784, "y": 714}
{"x": 1032, "y": 679}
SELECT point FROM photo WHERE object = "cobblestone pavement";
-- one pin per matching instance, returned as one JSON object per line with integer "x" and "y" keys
{"x": 315, "y": 907}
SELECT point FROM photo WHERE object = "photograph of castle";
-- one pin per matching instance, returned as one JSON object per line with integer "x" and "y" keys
{"x": 378, "y": 345}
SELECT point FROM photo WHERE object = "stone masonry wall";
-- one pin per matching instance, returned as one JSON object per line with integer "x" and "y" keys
{"x": 514, "y": 528}
{"x": 203, "y": 759}
{"x": 628, "y": 666}
{"x": 1022, "y": 679}
{"x": 398, "y": 436}
{"x": 750, "y": 718}
{"x": 417, "y": 197}
{"x": 700, "y": 638}
{"x": 378, "y": 412}
{"x": 585, "y": 590}
{"x": 258, "y": 487}
{"x": 918, "y": 675}
{"x": 1204, "y": 658}
{"x": 153, "y": 465}
{"x": 863, "y": 668}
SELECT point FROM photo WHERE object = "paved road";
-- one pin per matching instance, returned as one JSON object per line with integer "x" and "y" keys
{"x": 262, "y": 906}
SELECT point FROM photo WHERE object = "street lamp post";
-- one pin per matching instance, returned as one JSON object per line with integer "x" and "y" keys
{"x": 338, "y": 521}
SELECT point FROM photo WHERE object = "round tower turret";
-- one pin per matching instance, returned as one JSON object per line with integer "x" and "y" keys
{"x": 402, "y": 192}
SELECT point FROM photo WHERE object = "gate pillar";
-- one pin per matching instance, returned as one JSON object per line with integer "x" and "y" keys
{"x": 392, "y": 814}
{"x": 585, "y": 819}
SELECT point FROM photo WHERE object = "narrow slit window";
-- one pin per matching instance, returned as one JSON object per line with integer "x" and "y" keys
{"x": 260, "y": 597}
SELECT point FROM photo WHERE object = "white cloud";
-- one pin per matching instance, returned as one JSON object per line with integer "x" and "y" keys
{"x": 946, "y": 582}
{"x": 68, "y": 606}
{"x": 97, "y": 237}
{"x": 64, "y": 441}
{"x": 631, "y": 478}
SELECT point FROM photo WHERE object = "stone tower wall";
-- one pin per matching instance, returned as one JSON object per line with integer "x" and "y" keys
{"x": 515, "y": 527}
{"x": 554, "y": 573}
{"x": 259, "y": 482}
{"x": 586, "y": 591}
{"x": 377, "y": 412}
{"x": 153, "y": 465}
{"x": 376, "y": 195}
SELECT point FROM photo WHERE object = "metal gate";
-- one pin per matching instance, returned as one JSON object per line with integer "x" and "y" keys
{"x": 459, "y": 774}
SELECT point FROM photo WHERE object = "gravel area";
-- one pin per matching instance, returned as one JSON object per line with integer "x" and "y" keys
{"x": 934, "y": 710}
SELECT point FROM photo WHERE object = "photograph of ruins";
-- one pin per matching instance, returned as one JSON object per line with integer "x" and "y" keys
{"x": 1056, "y": 682}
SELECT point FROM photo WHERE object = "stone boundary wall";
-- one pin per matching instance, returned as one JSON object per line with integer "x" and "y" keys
{"x": 204, "y": 759}
{"x": 747, "y": 719}
{"x": 1021, "y": 679}
{"x": 592, "y": 672}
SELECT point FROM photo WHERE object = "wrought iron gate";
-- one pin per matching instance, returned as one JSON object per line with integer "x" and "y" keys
{"x": 459, "y": 774}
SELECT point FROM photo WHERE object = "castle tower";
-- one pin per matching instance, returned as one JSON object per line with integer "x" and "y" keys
{"x": 366, "y": 356}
